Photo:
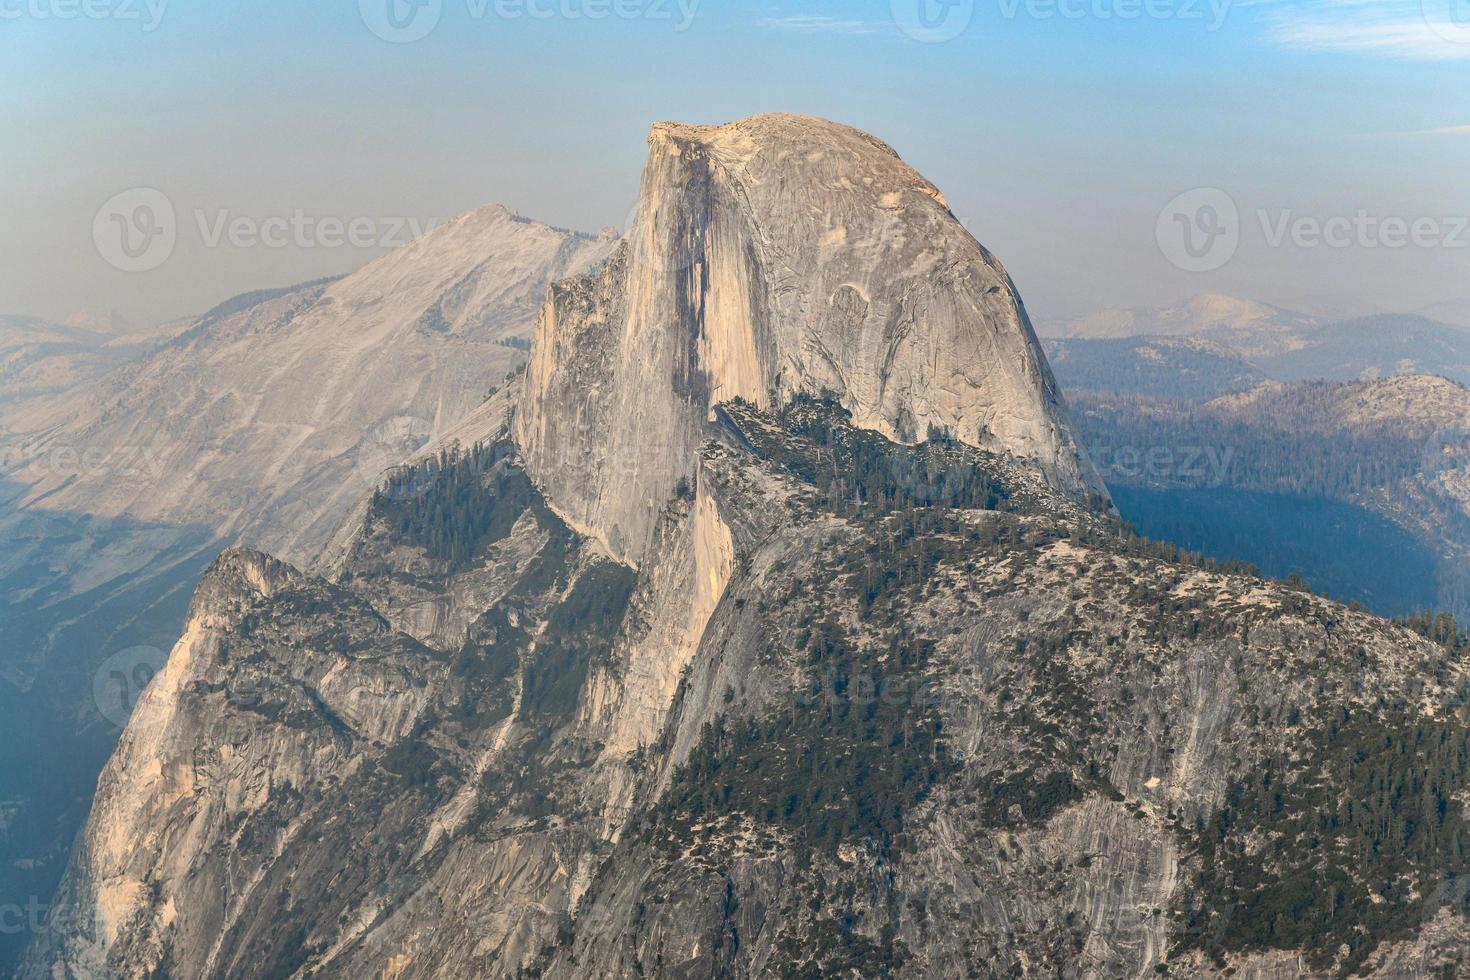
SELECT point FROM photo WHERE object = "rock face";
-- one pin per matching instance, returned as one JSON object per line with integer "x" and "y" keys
{"x": 264, "y": 420}
{"x": 818, "y": 697}
{"x": 823, "y": 730}
{"x": 773, "y": 256}
{"x": 128, "y": 462}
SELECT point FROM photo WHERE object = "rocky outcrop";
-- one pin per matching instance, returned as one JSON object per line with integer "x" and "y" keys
{"x": 265, "y": 420}
{"x": 128, "y": 462}
{"x": 809, "y": 735}
{"x": 774, "y": 256}
{"x": 838, "y": 672}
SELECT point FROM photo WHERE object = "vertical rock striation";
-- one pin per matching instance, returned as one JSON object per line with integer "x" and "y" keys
{"x": 863, "y": 708}
{"x": 769, "y": 257}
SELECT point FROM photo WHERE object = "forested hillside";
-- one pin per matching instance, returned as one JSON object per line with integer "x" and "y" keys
{"x": 1357, "y": 488}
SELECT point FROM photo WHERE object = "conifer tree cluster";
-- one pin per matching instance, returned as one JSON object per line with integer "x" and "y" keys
{"x": 457, "y": 502}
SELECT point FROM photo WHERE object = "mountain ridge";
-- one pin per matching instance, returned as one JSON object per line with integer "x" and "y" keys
{"x": 860, "y": 677}
{"x": 262, "y": 421}
{"x": 1111, "y": 350}
{"x": 774, "y": 256}
{"x": 440, "y": 303}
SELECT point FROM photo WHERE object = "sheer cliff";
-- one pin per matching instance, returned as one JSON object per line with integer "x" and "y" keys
{"x": 768, "y": 257}
{"x": 127, "y": 463}
{"x": 866, "y": 709}
{"x": 265, "y": 419}
{"x": 729, "y": 643}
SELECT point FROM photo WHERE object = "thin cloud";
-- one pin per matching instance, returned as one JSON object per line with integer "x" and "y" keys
{"x": 816, "y": 24}
{"x": 1436, "y": 131}
{"x": 1409, "y": 30}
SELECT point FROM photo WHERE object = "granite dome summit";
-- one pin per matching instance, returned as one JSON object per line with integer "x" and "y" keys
{"x": 770, "y": 257}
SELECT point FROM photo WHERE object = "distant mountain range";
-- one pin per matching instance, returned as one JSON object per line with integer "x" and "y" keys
{"x": 38, "y": 358}
{"x": 773, "y": 623}
{"x": 1337, "y": 450}
{"x": 1361, "y": 488}
{"x": 1233, "y": 343}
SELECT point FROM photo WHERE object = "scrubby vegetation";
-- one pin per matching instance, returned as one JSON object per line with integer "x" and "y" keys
{"x": 456, "y": 503}
{"x": 857, "y": 470}
{"x": 1298, "y": 449}
{"x": 579, "y": 631}
{"x": 832, "y": 765}
{"x": 1439, "y": 627}
{"x": 1340, "y": 844}
{"x": 1161, "y": 367}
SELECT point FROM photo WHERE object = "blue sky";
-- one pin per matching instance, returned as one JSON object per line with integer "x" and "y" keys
{"x": 1058, "y": 129}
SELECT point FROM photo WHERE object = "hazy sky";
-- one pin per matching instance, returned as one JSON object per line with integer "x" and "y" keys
{"x": 1060, "y": 131}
